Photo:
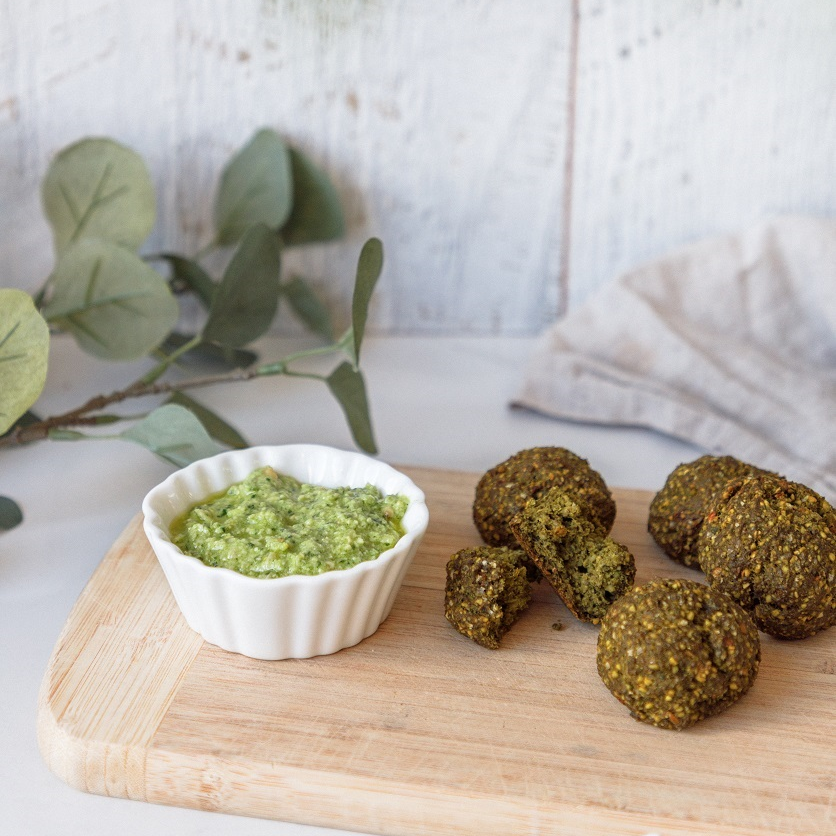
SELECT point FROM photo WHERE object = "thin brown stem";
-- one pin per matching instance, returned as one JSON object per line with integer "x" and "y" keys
{"x": 82, "y": 415}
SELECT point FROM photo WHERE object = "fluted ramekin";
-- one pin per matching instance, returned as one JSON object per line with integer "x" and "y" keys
{"x": 297, "y": 616}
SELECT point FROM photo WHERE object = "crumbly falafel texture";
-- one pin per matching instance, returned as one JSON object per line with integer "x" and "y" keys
{"x": 678, "y": 509}
{"x": 675, "y": 652}
{"x": 586, "y": 568}
{"x": 771, "y": 545}
{"x": 487, "y": 590}
{"x": 505, "y": 489}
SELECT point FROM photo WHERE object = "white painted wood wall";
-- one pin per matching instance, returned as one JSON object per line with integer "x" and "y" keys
{"x": 513, "y": 155}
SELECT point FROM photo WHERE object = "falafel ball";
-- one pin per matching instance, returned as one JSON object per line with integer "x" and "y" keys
{"x": 676, "y": 651}
{"x": 586, "y": 568}
{"x": 771, "y": 545}
{"x": 678, "y": 509}
{"x": 487, "y": 590}
{"x": 504, "y": 490}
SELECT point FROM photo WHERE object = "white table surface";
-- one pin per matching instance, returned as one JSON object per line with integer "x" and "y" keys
{"x": 435, "y": 402}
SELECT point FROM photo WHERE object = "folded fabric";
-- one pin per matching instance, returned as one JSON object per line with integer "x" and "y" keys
{"x": 729, "y": 344}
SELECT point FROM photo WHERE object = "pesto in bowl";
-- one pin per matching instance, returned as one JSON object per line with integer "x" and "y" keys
{"x": 284, "y": 616}
{"x": 271, "y": 525}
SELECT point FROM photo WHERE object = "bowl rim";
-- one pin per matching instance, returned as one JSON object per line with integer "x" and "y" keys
{"x": 158, "y": 534}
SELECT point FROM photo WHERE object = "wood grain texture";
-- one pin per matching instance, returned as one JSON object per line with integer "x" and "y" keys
{"x": 418, "y": 730}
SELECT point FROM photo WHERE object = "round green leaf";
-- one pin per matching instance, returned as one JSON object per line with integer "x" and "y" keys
{"x": 115, "y": 305}
{"x": 174, "y": 434}
{"x": 98, "y": 188}
{"x": 24, "y": 347}
{"x": 217, "y": 427}
{"x": 256, "y": 187}
{"x": 317, "y": 214}
{"x": 245, "y": 302}
{"x": 10, "y": 514}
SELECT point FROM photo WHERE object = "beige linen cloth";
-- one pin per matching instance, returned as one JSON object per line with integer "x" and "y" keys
{"x": 729, "y": 344}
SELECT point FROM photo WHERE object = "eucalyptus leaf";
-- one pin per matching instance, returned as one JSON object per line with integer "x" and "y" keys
{"x": 219, "y": 429}
{"x": 115, "y": 305}
{"x": 369, "y": 266}
{"x": 10, "y": 514}
{"x": 256, "y": 187}
{"x": 209, "y": 355}
{"x": 245, "y": 302}
{"x": 308, "y": 307}
{"x": 189, "y": 275}
{"x": 98, "y": 188}
{"x": 174, "y": 434}
{"x": 317, "y": 214}
{"x": 24, "y": 349}
{"x": 60, "y": 434}
{"x": 347, "y": 386}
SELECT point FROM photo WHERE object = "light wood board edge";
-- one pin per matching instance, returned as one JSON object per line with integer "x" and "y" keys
{"x": 391, "y": 808}
{"x": 106, "y": 755}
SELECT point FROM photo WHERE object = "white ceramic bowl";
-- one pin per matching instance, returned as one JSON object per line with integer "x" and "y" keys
{"x": 298, "y": 616}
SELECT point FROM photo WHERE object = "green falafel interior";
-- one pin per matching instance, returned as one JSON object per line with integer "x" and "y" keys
{"x": 588, "y": 569}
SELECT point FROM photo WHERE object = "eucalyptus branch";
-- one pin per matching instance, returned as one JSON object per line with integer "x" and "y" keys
{"x": 160, "y": 369}
{"x": 149, "y": 385}
{"x": 40, "y": 430}
{"x": 99, "y": 200}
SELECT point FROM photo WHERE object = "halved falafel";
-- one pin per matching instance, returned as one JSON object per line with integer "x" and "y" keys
{"x": 486, "y": 592}
{"x": 586, "y": 568}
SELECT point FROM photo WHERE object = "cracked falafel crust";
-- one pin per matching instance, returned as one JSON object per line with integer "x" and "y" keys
{"x": 771, "y": 545}
{"x": 504, "y": 490}
{"x": 676, "y": 651}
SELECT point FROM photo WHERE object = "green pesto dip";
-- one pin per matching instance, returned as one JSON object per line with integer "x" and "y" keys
{"x": 271, "y": 525}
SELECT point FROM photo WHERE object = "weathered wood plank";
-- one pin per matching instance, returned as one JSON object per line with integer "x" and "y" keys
{"x": 70, "y": 70}
{"x": 446, "y": 133}
{"x": 695, "y": 119}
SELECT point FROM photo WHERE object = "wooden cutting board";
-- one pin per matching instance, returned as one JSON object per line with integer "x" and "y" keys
{"x": 417, "y": 730}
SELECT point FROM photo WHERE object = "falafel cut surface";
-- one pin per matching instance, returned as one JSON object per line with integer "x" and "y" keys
{"x": 586, "y": 568}
{"x": 678, "y": 509}
{"x": 505, "y": 489}
{"x": 771, "y": 545}
{"x": 486, "y": 591}
{"x": 676, "y": 651}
